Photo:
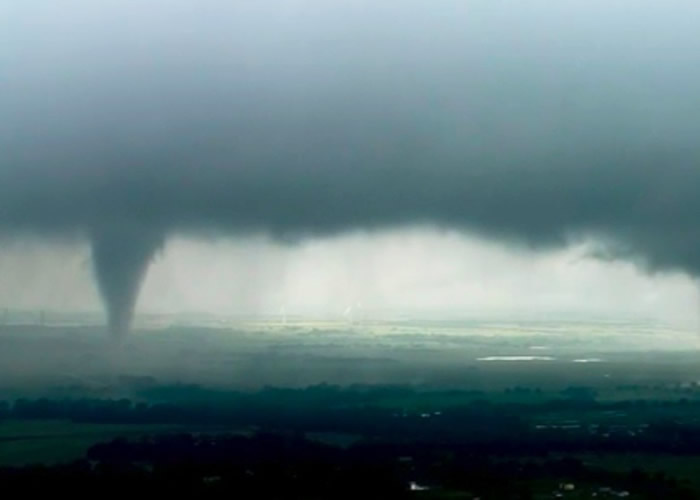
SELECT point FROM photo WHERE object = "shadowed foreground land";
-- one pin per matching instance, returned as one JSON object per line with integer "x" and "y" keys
{"x": 328, "y": 441}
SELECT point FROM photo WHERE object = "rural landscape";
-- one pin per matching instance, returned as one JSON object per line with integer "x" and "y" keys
{"x": 350, "y": 249}
{"x": 312, "y": 408}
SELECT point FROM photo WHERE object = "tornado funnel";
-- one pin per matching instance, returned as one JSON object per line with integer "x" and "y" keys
{"x": 121, "y": 255}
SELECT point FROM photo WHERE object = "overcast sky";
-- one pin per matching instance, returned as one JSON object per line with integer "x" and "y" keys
{"x": 536, "y": 126}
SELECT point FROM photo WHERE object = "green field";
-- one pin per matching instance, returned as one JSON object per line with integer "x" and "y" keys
{"x": 682, "y": 468}
{"x": 53, "y": 441}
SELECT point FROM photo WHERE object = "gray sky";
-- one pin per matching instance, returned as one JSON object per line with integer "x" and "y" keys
{"x": 536, "y": 124}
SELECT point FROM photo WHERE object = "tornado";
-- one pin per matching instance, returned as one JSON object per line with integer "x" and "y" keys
{"x": 121, "y": 255}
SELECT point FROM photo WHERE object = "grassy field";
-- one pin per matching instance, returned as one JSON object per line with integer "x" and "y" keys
{"x": 54, "y": 441}
{"x": 683, "y": 469}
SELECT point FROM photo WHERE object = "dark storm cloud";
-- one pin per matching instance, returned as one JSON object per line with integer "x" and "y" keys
{"x": 531, "y": 122}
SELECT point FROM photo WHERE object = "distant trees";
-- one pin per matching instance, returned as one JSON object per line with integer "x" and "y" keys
{"x": 400, "y": 413}
{"x": 447, "y": 445}
{"x": 580, "y": 393}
